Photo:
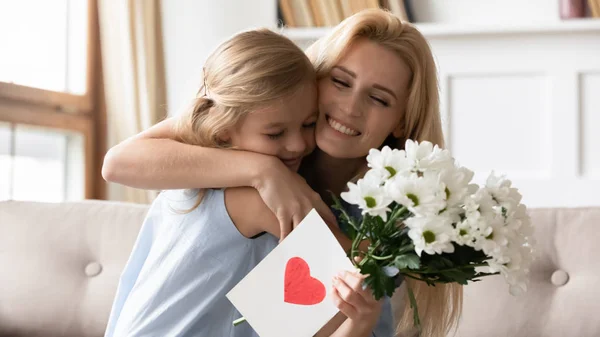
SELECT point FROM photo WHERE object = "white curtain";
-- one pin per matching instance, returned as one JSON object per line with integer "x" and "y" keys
{"x": 133, "y": 74}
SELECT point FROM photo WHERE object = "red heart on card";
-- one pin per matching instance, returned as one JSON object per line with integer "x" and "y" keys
{"x": 300, "y": 287}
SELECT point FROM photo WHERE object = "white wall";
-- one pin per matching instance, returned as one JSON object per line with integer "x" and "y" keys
{"x": 485, "y": 11}
{"x": 193, "y": 28}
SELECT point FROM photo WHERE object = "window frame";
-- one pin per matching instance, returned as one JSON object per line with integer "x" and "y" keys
{"x": 65, "y": 111}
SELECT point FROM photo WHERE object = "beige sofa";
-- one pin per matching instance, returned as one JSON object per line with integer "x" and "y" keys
{"x": 59, "y": 266}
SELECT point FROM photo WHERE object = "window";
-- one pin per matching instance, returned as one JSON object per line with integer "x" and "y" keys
{"x": 40, "y": 164}
{"x": 47, "y": 114}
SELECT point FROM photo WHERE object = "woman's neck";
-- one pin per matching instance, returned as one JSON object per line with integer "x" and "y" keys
{"x": 328, "y": 174}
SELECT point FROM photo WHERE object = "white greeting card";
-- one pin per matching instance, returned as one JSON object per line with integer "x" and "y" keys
{"x": 289, "y": 292}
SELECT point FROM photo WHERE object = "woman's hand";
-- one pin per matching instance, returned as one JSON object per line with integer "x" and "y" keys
{"x": 289, "y": 197}
{"x": 356, "y": 303}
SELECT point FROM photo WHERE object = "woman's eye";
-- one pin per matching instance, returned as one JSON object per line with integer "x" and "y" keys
{"x": 275, "y": 135}
{"x": 380, "y": 101}
{"x": 339, "y": 82}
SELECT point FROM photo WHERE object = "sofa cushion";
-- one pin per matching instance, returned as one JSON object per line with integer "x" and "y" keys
{"x": 61, "y": 263}
{"x": 563, "y": 297}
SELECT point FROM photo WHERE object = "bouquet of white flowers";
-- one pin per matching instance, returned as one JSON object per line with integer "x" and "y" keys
{"x": 424, "y": 219}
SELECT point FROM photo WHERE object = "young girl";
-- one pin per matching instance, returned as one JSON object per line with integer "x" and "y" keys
{"x": 259, "y": 95}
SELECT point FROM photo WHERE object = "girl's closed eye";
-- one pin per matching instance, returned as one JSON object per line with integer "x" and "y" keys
{"x": 310, "y": 125}
{"x": 275, "y": 135}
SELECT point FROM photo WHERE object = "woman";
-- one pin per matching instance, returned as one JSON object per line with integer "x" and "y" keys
{"x": 377, "y": 86}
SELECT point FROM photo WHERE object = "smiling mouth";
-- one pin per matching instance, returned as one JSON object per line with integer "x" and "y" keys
{"x": 291, "y": 162}
{"x": 337, "y": 126}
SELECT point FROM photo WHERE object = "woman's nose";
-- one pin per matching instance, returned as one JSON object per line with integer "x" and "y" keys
{"x": 352, "y": 106}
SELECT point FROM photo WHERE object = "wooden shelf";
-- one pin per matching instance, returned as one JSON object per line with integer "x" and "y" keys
{"x": 435, "y": 30}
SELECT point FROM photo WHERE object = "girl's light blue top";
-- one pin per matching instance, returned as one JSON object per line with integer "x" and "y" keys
{"x": 181, "y": 267}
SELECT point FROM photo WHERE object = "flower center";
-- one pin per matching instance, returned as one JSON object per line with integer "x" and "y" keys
{"x": 462, "y": 232}
{"x": 429, "y": 236}
{"x": 391, "y": 171}
{"x": 370, "y": 202}
{"x": 413, "y": 198}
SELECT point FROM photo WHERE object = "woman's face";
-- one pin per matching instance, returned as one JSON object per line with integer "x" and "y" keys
{"x": 362, "y": 100}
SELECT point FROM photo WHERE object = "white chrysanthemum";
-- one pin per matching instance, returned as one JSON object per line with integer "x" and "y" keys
{"x": 425, "y": 156}
{"x": 456, "y": 185}
{"x": 369, "y": 195}
{"x": 376, "y": 176}
{"x": 502, "y": 193}
{"x": 519, "y": 222}
{"x": 479, "y": 214}
{"x": 495, "y": 237}
{"x": 465, "y": 233}
{"x": 423, "y": 196}
{"x": 391, "y": 161}
{"x": 514, "y": 265}
{"x": 432, "y": 235}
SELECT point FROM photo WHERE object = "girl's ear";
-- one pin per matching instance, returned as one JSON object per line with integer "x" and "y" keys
{"x": 224, "y": 136}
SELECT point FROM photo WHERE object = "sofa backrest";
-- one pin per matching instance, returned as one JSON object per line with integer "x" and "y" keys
{"x": 60, "y": 265}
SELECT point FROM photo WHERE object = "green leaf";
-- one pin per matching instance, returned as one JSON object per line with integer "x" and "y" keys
{"x": 410, "y": 261}
{"x": 455, "y": 276}
{"x": 378, "y": 281}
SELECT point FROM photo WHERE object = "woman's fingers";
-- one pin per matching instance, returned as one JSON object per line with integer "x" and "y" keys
{"x": 355, "y": 281}
{"x": 349, "y": 292}
{"x": 342, "y": 305}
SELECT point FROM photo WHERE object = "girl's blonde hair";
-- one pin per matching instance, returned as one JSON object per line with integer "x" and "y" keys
{"x": 439, "y": 306}
{"x": 250, "y": 70}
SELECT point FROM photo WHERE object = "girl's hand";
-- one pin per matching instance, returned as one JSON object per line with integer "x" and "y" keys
{"x": 289, "y": 197}
{"x": 356, "y": 303}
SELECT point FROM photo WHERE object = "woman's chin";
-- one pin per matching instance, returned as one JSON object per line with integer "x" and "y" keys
{"x": 336, "y": 148}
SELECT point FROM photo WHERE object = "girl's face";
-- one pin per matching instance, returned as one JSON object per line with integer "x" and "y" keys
{"x": 285, "y": 129}
{"x": 362, "y": 100}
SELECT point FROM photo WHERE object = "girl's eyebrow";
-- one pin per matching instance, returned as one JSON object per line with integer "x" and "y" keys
{"x": 274, "y": 125}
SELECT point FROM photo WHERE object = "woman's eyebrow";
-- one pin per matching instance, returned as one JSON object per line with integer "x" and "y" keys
{"x": 346, "y": 70}
{"x": 376, "y": 86}
{"x": 382, "y": 88}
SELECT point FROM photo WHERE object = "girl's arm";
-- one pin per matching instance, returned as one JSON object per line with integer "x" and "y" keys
{"x": 153, "y": 159}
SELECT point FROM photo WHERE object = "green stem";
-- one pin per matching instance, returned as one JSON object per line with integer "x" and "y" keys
{"x": 239, "y": 321}
{"x": 413, "y": 305}
{"x": 406, "y": 249}
{"x": 397, "y": 212}
{"x": 381, "y": 258}
{"x": 356, "y": 242}
{"x": 339, "y": 206}
{"x": 405, "y": 274}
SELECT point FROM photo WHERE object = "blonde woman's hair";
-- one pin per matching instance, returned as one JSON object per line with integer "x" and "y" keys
{"x": 252, "y": 69}
{"x": 439, "y": 306}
